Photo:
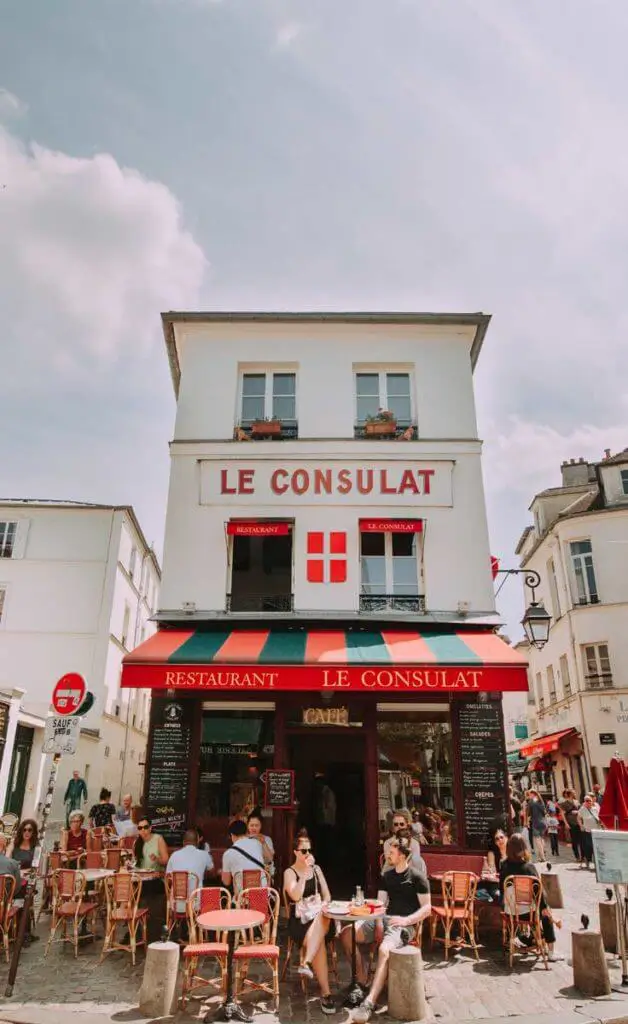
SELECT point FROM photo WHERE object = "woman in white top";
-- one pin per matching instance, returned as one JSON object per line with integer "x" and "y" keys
{"x": 588, "y": 819}
{"x": 254, "y": 830}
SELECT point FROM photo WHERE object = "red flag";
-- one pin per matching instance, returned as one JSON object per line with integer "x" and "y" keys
{"x": 614, "y": 807}
{"x": 494, "y": 566}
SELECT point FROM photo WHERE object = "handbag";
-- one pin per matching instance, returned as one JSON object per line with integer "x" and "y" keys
{"x": 307, "y": 908}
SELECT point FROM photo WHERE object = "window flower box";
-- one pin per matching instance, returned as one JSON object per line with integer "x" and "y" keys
{"x": 382, "y": 424}
{"x": 266, "y": 428}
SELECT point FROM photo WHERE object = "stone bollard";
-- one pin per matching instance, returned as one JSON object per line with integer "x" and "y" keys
{"x": 406, "y": 990}
{"x": 608, "y": 927}
{"x": 552, "y": 890}
{"x": 590, "y": 970}
{"x": 158, "y": 994}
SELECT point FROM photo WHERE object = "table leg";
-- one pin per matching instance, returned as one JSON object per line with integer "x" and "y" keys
{"x": 230, "y": 1010}
{"x": 355, "y": 995}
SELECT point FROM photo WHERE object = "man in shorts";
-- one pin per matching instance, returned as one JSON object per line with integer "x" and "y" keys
{"x": 408, "y": 903}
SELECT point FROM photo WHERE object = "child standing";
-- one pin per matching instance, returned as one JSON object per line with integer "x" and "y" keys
{"x": 552, "y": 828}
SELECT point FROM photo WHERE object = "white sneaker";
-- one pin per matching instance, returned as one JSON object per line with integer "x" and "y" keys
{"x": 555, "y": 958}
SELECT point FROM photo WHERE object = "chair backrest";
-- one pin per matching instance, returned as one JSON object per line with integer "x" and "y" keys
{"x": 522, "y": 895}
{"x": 55, "y": 861}
{"x": 9, "y": 823}
{"x": 113, "y": 859}
{"x": 267, "y": 902}
{"x": 123, "y": 892}
{"x": 90, "y": 859}
{"x": 251, "y": 879}
{"x": 68, "y": 885}
{"x": 202, "y": 901}
{"x": 128, "y": 843}
{"x": 459, "y": 888}
{"x": 7, "y": 892}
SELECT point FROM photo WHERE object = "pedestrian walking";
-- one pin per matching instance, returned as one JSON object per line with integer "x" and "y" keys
{"x": 569, "y": 807}
{"x": 537, "y": 824}
{"x": 553, "y": 825}
{"x": 75, "y": 795}
{"x": 588, "y": 819}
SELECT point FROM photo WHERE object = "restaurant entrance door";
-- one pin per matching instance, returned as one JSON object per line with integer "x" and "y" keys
{"x": 330, "y": 789}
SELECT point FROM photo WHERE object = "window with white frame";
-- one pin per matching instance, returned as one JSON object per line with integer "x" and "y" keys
{"x": 124, "y": 636}
{"x": 390, "y": 564}
{"x": 597, "y": 666}
{"x": 551, "y": 684}
{"x": 8, "y": 532}
{"x": 583, "y": 572}
{"x": 553, "y": 586}
{"x": 564, "y": 675}
{"x": 624, "y": 481}
{"x": 540, "y": 700}
{"x": 132, "y": 561}
{"x": 382, "y": 390}
{"x": 269, "y": 395}
{"x": 3, "y": 594}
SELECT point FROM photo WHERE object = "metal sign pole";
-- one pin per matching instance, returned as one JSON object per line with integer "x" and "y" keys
{"x": 32, "y": 878}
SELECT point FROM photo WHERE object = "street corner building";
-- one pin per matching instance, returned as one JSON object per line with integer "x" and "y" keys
{"x": 327, "y": 644}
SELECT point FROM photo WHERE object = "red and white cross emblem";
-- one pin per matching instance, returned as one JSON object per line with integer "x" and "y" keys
{"x": 327, "y": 557}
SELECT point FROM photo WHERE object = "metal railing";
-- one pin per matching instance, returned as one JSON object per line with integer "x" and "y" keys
{"x": 289, "y": 432}
{"x": 392, "y": 603}
{"x": 260, "y": 602}
{"x": 604, "y": 681}
{"x": 359, "y": 432}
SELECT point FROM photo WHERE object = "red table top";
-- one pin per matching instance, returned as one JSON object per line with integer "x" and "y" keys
{"x": 230, "y": 920}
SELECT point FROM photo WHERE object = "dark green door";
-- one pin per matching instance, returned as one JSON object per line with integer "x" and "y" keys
{"x": 19, "y": 770}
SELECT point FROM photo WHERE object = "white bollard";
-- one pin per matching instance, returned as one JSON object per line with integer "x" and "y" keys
{"x": 406, "y": 990}
{"x": 158, "y": 994}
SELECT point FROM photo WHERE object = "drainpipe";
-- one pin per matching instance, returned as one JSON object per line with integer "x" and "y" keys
{"x": 128, "y": 707}
{"x": 577, "y": 663}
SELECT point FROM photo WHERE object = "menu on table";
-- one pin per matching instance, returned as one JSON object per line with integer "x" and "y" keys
{"x": 169, "y": 768}
{"x": 484, "y": 773}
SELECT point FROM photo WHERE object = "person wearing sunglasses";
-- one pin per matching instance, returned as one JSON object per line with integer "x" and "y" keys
{"x": 22, "y": 849}
{"x": 306, "y": 890}
{"x": 402, "y": 822}
{"x": 151, "y": 852}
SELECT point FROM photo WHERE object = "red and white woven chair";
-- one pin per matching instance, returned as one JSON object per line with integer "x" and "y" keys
{"x": 267, "y": 902}
{"x": 459, "y": 888}
{"x": 123, "y": 910}
{"x": 71, "y": 907}
{"x": 178, "y": 885}
{"x": 202, "y": 901}
{"x": 522, "y": 912}
{"x": 8, "y": 911}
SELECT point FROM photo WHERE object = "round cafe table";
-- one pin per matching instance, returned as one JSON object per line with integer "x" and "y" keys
{"x": 96, "y": 874}
{"x": 232, "y": 922}
{"x": 355, "y": 995}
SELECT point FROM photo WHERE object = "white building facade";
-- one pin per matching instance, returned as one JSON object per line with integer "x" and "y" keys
{"x": 78, "y": 584}
{"x": 327, "y": 603}
{"x": 579, "y": 680}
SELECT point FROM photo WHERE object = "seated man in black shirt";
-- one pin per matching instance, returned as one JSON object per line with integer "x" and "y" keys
{"x": 408, "y": 903}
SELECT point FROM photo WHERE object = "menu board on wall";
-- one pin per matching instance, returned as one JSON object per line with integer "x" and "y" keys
{"x": 169, "y": 768}
{"x": 484, "y": 776}
{"x": 279, "y": 788}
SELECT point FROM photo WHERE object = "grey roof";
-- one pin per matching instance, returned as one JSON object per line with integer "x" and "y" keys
{"x": 478, "y": 320}
{"x": 615, "y": 460}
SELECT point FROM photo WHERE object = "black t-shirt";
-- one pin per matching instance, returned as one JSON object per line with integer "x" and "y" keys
{"x": 403, "y": 888}
{"x": 102, "y": 814}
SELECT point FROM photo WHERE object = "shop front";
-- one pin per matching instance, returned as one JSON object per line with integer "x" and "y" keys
{"x": 331, "y": 730}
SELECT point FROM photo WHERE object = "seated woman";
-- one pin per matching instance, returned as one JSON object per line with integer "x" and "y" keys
{"x": 74, "y": 841}
{"x": 22, "y": 849}
{"x": 517, "y": 862}
{"x": 302, "y": 881}
{"x": 488, "y": 887}
{"x": 254, "y": 829}
{"x": 151, "y": 852}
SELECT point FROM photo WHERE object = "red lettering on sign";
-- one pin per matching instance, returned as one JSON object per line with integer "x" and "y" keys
{"x": 245, "y": 481}
{"x": 426, "y": 475}
{"x": 224, "y": 483}
{"x": 383, "y": 486}
{"x": 408, "y": 482}
{"x": 344, "y": 481}
{"x": 275, "y": 486}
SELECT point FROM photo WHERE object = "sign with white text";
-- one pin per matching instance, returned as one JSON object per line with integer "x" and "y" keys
{"x": 61, "y": 735}
{"x": 611, "y": 856}
{"x": 333, "y": 482}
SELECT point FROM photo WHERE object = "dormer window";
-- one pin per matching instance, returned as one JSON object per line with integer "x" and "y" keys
{"x": 624, "y": 482}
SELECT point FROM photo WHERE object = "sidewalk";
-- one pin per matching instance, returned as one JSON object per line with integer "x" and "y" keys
{"x": 61, "y": 989}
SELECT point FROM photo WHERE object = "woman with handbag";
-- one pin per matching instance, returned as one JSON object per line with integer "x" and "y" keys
{"x": 306, "y": 889}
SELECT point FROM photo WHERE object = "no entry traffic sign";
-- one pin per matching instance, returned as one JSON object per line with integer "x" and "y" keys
{"x": 69, "y": 693}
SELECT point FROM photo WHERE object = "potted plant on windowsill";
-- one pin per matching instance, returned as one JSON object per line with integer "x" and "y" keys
{"x": 384, "y": 422}
{"x": 266, "y": 428}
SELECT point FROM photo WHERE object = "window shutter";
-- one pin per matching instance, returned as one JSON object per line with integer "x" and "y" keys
{"x": 21, "y": 536}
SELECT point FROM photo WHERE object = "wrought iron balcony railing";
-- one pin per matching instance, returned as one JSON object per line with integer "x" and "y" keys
{"x": 260, "y": 602}
{"x": 392, "y": 431}
{"x": 604, "y": 681}
{"x": 392, "y": 603}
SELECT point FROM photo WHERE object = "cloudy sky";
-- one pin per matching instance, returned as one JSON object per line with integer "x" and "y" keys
{"x": 284, "y": 154}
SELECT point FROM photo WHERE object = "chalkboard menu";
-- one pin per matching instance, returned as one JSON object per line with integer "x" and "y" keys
{"x": 279, "y": 788}
{"x": 169, "y": 768}
{"x": 4, "y": 725}
{"x": 484, "y": 778}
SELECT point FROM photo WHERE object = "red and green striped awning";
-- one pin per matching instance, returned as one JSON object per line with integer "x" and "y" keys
{"x": 321, "y": 659}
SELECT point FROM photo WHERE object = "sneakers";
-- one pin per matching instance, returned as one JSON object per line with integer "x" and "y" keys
{"x": 555, "y": 958}
{"x": 305, "y": 970}
{"x": 328, "y": 1006}
{"x": 363, "y": 1012}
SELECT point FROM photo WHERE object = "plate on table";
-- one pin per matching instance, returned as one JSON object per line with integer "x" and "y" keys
{"x": 374, "y": 904}
{"x": 339, "y": 906}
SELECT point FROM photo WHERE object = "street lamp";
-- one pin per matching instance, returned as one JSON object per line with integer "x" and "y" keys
{"x": 536, "y": 620}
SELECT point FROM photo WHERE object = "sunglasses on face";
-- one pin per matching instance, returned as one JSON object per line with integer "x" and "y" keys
{"x": 143, "y": 828}
{"x": 305, "y": 849}
{"x": 399, "y": 824}
{"x": 27, "y": 829}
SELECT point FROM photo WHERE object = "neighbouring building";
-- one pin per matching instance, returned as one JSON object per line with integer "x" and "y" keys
{"x": 78, "y": 585}
{"x": 579, "y": 680}
{"x": 327, "y": 644}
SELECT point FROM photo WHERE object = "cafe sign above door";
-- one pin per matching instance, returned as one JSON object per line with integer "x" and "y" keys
{"x": 340, "y": 481}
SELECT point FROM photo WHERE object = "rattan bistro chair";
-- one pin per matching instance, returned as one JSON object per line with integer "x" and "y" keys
{"x": 123, "y": 911}
{"x": 459, "y": 888}
{"x": 522, "y": 911}
{"x": 178, "y": 886}
{"x": 198, "y": 949}
{"x": 70, "y": 907}
{"x": 267, "y": 902}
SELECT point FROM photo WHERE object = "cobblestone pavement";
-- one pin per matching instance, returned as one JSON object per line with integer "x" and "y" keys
{"x": 460, "y": 990}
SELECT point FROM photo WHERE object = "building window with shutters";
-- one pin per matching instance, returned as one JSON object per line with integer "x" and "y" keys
{"x": 383, "y": 391}
{"x": 268, "y": 397}
{"x": 3, "y": 594}
{"x": 551, "y": 684}
{"x": 564, "y": 675}
{"x": 553, "y": 586}
{"x": 540, "y": 700}
{"x": 583, "y": 572}
{"x": 8, "y": 532}
{"x": 597, "y": 667}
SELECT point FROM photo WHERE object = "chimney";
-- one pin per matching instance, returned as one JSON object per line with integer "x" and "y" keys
{"x": 607, "y": 453}
{"x": 575, "y": 472}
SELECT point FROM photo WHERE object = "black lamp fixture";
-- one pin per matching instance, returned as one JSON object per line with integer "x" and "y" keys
{"x": 536, "y": 620}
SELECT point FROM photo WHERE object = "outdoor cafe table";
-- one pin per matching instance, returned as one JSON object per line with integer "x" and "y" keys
{"x": 232, "y": 922}
{"x": 355, "y": 995}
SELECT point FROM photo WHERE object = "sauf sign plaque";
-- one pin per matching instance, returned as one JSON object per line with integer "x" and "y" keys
{"x": 403, "y": 482}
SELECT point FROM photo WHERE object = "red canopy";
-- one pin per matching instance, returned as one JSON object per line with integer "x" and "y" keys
{"x": 614, "y": 808}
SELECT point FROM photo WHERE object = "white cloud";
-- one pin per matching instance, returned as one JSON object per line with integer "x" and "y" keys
{"x": 287, "y": 34}
{"x": 90, "y": 253}
{"x": 11, "y": 105}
